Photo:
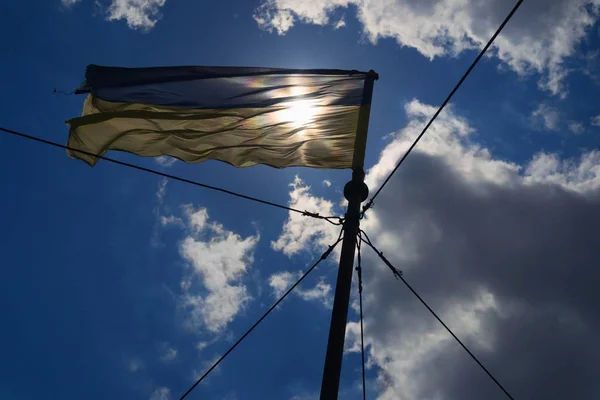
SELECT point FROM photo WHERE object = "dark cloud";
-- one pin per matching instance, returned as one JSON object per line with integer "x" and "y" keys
{"x": 533, "y": 247}
{"x": 509, "y": 261}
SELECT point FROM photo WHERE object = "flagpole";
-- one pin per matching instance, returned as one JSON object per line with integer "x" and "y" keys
{"x": 355, "y": 191}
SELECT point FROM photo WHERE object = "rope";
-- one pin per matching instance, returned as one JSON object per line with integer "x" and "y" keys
{"x": 323, "y": 257}
{"x": 362, "y": 339}
{"x": 395, "y": 271}
{"x": 460, "y": 82}
{"x": 398, "y": 275}
{"x": 176, "y": 178}
{"x": 63, "y": 92}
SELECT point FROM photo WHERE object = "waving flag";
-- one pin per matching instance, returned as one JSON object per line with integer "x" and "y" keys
{"x": 242, "y": 116}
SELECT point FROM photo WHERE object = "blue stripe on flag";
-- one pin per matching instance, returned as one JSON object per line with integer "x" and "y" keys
{"x": 101, "y": 77}
{"x": 241, "y": 92}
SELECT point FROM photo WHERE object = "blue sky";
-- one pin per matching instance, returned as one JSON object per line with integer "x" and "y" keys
{"x": 111, "y": 275}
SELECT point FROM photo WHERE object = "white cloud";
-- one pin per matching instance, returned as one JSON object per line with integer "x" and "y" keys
{"x": 69, "y": 3}
{"x": 340, "y": 24}
{"x": 578, "y": 175}
{"x": 268, "y": 19}
{"x": 546, "y": 117}
{"x": 596, "y": 120}
{"x": 320, "y": 292}
{"x": 576, "y": 127}
{"x": 206, "y": 364}
{"x": 202, "y": 345}
{"x": 327, "y": 182}
{"x": 160, "y": 220}
{"x": 280, "y": 282}
{"x": 168, "y": 354}
{"x": 220, "y": 259}
{"x": 541, "y": 36}
{"x": 505, "y": 253}
{"x": 171, "y": 220}
{"x": 135, "y": 364}
{"x": 161, "y": 393}
{"x": 139, "y": 14}
{"x": 231, "y": 396}
{"x": 299, "y": 230}
{"x": 162, "y": 189}
{"x": 198, "y": 219}
{"x": 165, "y": 161}
{"x": 447, "y": 139}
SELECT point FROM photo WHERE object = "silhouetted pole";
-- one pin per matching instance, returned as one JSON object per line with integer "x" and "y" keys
{"x": 355, "y": 192}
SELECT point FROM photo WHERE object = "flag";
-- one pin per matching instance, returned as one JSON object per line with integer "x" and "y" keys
{"x": 242, "y": 116}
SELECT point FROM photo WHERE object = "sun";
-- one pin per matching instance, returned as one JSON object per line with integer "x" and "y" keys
{"x": 299, "y": 113}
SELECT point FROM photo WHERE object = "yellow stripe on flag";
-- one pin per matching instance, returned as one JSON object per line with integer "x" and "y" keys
{"x": 295, "y": 133}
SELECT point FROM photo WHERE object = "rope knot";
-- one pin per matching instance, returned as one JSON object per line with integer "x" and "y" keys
{"x": 307, "y": 213}
{"x": 327, "y": 252}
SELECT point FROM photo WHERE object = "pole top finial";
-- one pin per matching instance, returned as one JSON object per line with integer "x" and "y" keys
{"x": 373, "y": 75}
{"x": 357, "y": 186}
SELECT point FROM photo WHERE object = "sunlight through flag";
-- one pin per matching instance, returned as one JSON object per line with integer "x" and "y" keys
{"x": 242, "y": 116}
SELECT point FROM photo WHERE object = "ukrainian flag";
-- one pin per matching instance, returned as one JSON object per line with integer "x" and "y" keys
{"x": 242, "y": 116}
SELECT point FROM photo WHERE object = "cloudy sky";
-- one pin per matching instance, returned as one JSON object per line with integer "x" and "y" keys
{"x": 118, "y": 284}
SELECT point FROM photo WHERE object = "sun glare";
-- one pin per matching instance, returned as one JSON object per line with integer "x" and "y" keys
{"x": 299, "y": 113}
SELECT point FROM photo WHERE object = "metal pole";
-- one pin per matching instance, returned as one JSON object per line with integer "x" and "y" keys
{"x": 355, "y": 192}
